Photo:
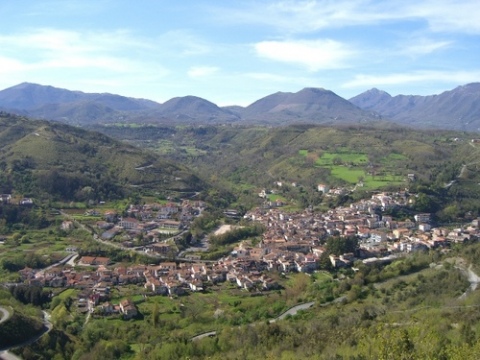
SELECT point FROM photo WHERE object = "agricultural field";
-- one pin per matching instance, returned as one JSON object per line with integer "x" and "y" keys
{"x": 353, "y": 168}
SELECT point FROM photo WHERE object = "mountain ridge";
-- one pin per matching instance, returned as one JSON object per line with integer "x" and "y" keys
{"x": 457, "y": 109}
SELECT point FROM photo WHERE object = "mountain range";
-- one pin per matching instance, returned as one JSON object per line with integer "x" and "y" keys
{"x": 457, "y": 109}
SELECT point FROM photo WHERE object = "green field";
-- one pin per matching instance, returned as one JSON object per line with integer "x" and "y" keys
{"x": 352, "y": 176}
{"x": 329, "y": 158}
{"x": 275, "y": 197}
{"x": 351, "y": 167}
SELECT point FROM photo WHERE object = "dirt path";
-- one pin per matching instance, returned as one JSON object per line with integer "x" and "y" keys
{"x": 223, "y": 229}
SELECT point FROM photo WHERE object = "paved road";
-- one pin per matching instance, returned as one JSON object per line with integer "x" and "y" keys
{"x": 472, "y": 278}
{"x": 292, "y": 311}
{"x": 204, "y": 335}
{"x": 5, "y": 355}
{"x": 58, "y": 263}
{"x": 5, "y": 314}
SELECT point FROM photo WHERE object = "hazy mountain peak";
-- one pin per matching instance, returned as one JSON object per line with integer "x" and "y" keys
{"x": 469, "y": 88}
{"x": 377, "y": 91}
{"x": 370, "y": 99}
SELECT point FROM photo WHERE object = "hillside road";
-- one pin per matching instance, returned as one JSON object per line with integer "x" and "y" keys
{"x": 4, "y": 314}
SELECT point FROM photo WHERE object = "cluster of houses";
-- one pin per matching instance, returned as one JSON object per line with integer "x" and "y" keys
{"x": 167, "y": 278}
{"x": 150, "y": 222}
{"x": 294, "y": 240}
{"x": 291, "y": 242}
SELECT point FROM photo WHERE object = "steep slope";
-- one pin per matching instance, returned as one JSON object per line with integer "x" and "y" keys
{"x": 455, "y": 109}
{"x": 310, "y": 104}
{"x": 39, "y": 157}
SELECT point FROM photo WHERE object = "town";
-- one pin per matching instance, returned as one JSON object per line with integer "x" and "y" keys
{"x": 292, "y": 242}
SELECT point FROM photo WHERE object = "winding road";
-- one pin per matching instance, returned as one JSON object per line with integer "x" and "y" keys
{"x": 4, "y": 353}
{"x": 472, "y": 278}
{"x": 5, "y": 314}
{"x": 292, "y": 311}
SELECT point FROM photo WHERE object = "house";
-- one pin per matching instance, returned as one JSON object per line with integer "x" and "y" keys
{"x": 196, "y": 285}
{"x": 162, "y": 248}
{"x": 400, "y": 232}
{"x": 110, "y": 216}
{"x": 94, "y": 260}
{"x": 378, "y": 236}
{"x": 129, "y": 223}
{"x": 244, "y": 282}
{"x": 424, "y": 227}
{"x": 170, "y": 224}
{"x": 422, "y": 218}
{"x": 106, "y": 308}
{"x": 104, "y": 225}
{"x": 71, "y": 249}
{"x": 153, "y": 284}
{"x": 323, "y": 188}
{"x": 128, "y": 309}
{"x": 26, "y": 202}
{"x": 5, "y": 198}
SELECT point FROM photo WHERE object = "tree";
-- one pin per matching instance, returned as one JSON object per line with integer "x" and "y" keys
{"x": 155, "y": 315}
{"x": 341, "y": 245}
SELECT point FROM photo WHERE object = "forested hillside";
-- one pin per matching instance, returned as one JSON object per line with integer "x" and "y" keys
{"x": 443, "y": 165}
{"x": 40, "y": 159}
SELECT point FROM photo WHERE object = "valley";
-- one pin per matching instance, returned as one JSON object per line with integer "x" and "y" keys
{"x": 137, "y": 238}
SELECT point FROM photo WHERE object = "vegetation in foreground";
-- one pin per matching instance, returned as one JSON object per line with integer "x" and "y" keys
{"x": 411, "y": 309}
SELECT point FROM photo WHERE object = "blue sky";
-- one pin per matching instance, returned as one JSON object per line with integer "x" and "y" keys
{"x": 235, "y": 52}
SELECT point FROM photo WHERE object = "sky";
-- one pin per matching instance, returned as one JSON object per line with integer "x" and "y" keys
{"x": 234, "y": 52}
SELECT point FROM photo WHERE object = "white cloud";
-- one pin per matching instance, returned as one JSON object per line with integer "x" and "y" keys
{"x": 448, "y": 15}
{"x": 424, "y": 47}
{"x": 456, "y": 77}
{"x": 116, "y": 60}
{"x": 309, "y": 16}
{"x": 184, "y": 43}
{"x": 201, "y": 71}
{"x": 115, "y": 52}
{"x": 51, "y": 48}
{"x": 315, "y": 55}
{"x": 9, "y": 65}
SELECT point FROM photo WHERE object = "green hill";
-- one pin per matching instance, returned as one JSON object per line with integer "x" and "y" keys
{"x": 368, "y": 157}
{"x": 44, "y": 159}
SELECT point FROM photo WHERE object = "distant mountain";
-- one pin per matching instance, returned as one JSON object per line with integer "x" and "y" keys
{"x": 369, "y": 99}
{"x": 41, "y": 158}
{"x": 75, "y": 107}
{"x": 457, "y": 109}
{"x": 310, "y": 104}
{"x": 192, "y": 108}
